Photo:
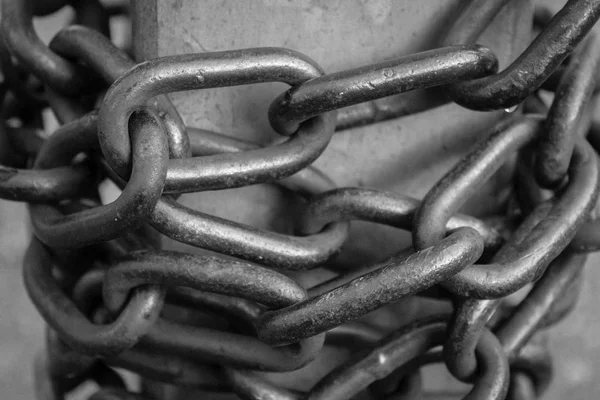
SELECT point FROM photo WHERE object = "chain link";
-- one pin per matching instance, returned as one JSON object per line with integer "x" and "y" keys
{"x": 97, "y": 276}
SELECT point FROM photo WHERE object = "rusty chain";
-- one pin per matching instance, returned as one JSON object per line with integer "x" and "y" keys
{"x": 97, "y": 275}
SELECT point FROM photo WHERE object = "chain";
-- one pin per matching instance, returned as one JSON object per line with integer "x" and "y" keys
{"x": 97, "y": 275}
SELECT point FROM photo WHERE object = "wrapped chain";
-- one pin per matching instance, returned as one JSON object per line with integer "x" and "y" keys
{"x": 97, "y": 275}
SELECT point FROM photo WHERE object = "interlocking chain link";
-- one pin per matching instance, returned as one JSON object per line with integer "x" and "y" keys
{"x": 97, "y": 276}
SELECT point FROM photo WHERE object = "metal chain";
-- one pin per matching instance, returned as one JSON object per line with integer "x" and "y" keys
{"x": 100, "y": 281}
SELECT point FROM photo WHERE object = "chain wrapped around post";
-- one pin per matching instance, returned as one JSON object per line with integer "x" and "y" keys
{"x": 257, "y": 301}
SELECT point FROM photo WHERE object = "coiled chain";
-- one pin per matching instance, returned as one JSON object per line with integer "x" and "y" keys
{"x": 97, "y": 275}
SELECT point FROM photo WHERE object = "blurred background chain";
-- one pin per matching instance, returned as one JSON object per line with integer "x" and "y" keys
{"x": 172, "y": 256}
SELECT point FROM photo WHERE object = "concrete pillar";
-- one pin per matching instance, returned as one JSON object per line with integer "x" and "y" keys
{"x": 406, "y": 155}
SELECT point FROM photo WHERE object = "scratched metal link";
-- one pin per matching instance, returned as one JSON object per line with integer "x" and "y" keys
{"x": 259, "y": 302}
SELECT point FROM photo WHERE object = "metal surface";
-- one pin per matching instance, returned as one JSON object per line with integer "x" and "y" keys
{"x": 547, "y": 51}
{"x": 280, "y": 302}
{"x": 573, "y": 94}
{"x": 350, "y": 35}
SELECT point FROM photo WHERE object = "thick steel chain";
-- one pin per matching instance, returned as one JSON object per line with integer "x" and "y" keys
{"x": 99, "y": 279}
